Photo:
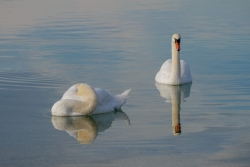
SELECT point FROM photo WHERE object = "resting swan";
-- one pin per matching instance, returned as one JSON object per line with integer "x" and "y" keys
{"x": 174, "y": 71}
{"x": 82, "y": 99}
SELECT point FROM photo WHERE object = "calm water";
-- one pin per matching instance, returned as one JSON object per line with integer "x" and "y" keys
{"x": 47, "y": 46}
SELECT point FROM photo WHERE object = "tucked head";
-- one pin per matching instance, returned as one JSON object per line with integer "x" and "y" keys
{"x": 176, "y": 39}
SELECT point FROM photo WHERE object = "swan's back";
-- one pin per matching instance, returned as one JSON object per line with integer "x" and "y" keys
{"x": 164, "y": 72}
{"x": 103, "y": 96}
{"x": 107, "y": 102}
{"x": 186, "y": 76}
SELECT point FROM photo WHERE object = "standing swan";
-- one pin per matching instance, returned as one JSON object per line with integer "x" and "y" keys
{"x": 82, "y": 99}
{"x": 174, "y": 71}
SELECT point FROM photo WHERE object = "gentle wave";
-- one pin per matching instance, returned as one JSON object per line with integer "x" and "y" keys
{"x": 27, "y": 80}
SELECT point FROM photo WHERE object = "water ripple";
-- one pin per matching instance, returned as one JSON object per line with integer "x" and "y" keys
{"x": 27, "y": 80}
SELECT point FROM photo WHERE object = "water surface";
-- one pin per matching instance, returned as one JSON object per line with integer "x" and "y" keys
{"x": 45, "y": 47}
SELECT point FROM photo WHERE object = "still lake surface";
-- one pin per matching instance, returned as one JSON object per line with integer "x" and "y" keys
{"x": 47, "y": 46}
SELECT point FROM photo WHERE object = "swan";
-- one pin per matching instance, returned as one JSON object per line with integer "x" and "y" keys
{"x": 82, "y": 99}
{"x": 174, "y": 71}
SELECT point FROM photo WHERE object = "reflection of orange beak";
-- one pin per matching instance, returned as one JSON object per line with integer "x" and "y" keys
{"x": 178, "y": 128}
{"x": 178, "y": 46}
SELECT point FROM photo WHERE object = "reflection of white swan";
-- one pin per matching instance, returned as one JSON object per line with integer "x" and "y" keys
{"x": 174, "y": 71}
{"x": 175, "y": 94}
{"x": 82, "y": 99}
{"x": 85, "y": 128}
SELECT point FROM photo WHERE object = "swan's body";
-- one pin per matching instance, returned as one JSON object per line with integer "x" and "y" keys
{"x": 174, "y": 71}
{"x": 82, "y": 99}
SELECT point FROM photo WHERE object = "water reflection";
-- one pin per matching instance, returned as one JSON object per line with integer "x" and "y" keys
{"x": 175, "y": 95}
{"x": 86, "y": 128}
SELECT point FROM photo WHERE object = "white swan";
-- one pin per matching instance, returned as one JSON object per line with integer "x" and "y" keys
{"x": 174, "y": 71}
{"x": 82, "y": 99}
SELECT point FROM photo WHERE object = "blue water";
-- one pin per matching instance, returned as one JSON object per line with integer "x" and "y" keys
{"x": 45, "y": 47}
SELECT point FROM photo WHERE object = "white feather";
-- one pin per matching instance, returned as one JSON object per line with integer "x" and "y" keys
{"x": 101, "y": 101}
{"x": 174, "y": 71}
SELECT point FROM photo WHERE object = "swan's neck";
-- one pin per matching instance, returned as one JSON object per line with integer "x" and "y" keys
{"x": 176, "y": 66}
{"x": 88, "y": 93}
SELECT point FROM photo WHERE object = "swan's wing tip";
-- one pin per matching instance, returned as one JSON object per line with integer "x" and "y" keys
{"x": 126, "y": 92}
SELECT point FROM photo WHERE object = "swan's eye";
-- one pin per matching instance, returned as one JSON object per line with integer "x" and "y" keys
{"x": 177, "y": 40}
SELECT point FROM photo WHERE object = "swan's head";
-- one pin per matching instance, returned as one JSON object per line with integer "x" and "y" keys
{"x": 176, "y": 40}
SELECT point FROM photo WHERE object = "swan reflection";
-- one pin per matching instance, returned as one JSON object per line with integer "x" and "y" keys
{"x": 175, "y": 95}
{"x": 86, "y": 128}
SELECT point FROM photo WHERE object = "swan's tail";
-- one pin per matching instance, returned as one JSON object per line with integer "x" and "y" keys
{"x": 121, "y": 98}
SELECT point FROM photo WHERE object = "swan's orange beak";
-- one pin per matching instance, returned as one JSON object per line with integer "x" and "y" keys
{"x": 178, "y": 46}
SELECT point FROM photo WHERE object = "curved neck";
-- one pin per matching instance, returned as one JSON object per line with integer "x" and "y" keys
{"x": 176, "y": 66}
{"x": 89, "y": 95}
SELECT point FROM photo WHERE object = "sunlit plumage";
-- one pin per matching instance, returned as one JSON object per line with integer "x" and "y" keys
{"x": 82, "y": 99}
{"x": 174, "y": 71}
